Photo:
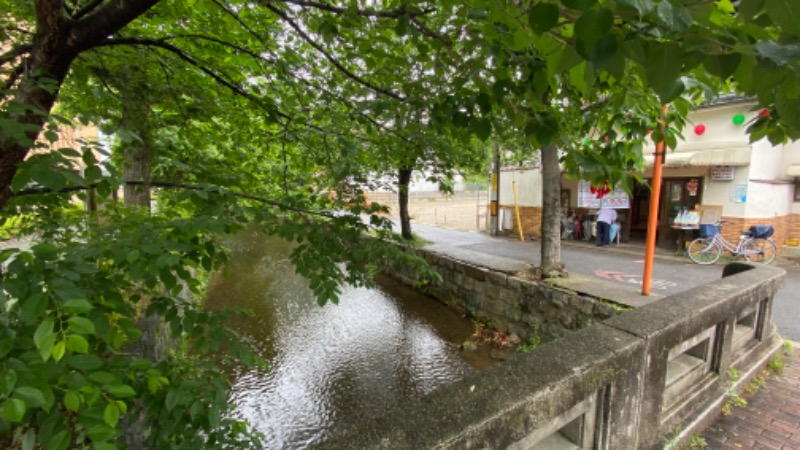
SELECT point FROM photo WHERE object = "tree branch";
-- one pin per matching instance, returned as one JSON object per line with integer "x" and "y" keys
{"x": 106, "y": 21}
{"x": 14, "y": 76}
{"x": 430, "y": 33}
{"x": 185, "y": 57}
{"x": 331, "y": 59}
{"x": 169, "y": 184}
{"x": 15, "y": 52}
{"x": 238, "y": 19}
{"x": 392, "y": 13}
{"x": 88, "y": 8}
{"x": 220, "y": 42}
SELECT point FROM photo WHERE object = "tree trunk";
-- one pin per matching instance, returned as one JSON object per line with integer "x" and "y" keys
{"x": 551, "y": 212}
{"x": 57, "y": 41}
{"x": 136, "y": 153}
{"x": 403, "y": 181}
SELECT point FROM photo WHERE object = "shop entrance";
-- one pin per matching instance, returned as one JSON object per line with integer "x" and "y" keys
{"x": 677, "y": 194}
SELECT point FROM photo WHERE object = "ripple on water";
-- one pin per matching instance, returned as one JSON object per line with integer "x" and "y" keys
{"x": 331, "y": 366}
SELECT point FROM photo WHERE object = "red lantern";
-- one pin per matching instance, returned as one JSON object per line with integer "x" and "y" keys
{"x": 763, "y": 113}
{"x": 601, "y": 191}
{"x": 700, "y": 129}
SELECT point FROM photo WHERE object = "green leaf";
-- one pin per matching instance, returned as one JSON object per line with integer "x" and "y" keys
{"x": 780, "y": 54}
{"x": 101, "y": 432}
{"x": 60, "y": 441}
{"x": 603, "y": 52}
{"x": 29, "y": 440}
{"x": 676, "y": 18}
{"x": 521, "y": 39}
{"x": 663, "y": 67}
{"x": 594, "y": 24}
{"x": 749, "y": 8}
{"x": 72, "y": 401}
{"x": 46, "y": 349}
{"x": 7, "y": 381}
{"x": 460, "y": 119}
{"x": 77, "y": 343}
{"x": 51, "y": 136}
{"x": 48, "y": 177}
{"x": 482, "y": 128}
{"x": 133, "y": 256}
{"x": 14, "y": 410}
{"x": 81, "y": 325}
{"x": 84, "y": 362}
{"x": 788, "y": 107}
{"x": 77, "y": 306}
{"x": 484, "y": 103}
{"x": 543, "y": 17}
{"x": 92, "y": 174}
{"x": 103, "y": 377}
{"x": 722, "y": 66}
{"x": 786, "y": 14}
{"x": 111, "y": 414}
{"x": 59, "y": 349}
{"x": 122, "y": 391}
{"x": 32, "y": 396}
{"x": 580, "y": 5}
{"x": 44, "y": 330}
{"x": 33, "y": 307}
{"x": 401, "y": 28}
{"x": 642, "y": 6}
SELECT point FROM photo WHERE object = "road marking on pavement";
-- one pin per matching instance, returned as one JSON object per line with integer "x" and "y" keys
{"x": 623, "y": 277}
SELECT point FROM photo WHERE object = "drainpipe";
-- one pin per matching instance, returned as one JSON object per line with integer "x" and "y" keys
{"x": 494, "y": 195}
{"x": 652, "y": 220}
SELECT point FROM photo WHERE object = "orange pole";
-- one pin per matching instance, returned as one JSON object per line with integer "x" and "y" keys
{"x": 652, "y": 221}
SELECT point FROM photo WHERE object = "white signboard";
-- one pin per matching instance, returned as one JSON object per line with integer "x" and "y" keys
{"x": 722, "y": 173}
{"x": 616, "y": 199}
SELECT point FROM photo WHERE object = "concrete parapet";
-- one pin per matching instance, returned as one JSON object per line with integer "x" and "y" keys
{"x": 663, "y": 369}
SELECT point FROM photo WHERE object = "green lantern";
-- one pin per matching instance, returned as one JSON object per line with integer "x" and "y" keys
{"x": 738, "y": 119}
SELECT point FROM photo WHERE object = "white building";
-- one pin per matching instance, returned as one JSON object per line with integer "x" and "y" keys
{"x": 714, "y": 166}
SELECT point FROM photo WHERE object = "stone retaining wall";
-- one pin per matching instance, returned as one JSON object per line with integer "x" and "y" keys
{"x": 509, "y": 301}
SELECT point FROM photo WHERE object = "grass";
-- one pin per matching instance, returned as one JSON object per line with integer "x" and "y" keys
{"x": 774, "y": 366}
{"x": 533, "y": 342}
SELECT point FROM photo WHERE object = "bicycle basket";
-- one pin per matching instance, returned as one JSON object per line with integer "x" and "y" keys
{"x": 761, "y": 231}
{"x": 708, "y": 230}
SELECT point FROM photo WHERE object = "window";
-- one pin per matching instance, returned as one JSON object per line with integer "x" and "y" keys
{"x": 797, "y": 189}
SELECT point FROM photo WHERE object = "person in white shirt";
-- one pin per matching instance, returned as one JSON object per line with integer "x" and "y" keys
{"x": 605, "y": 217}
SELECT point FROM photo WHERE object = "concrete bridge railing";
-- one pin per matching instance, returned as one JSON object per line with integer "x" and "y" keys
{"x": 630, "y": 382}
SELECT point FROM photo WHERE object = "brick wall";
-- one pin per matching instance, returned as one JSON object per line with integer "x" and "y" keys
{"x": 793, "y": 227}
{"x": 786, "y": 227}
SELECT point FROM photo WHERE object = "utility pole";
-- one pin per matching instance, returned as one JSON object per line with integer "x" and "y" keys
{"x": 494, "y": 194}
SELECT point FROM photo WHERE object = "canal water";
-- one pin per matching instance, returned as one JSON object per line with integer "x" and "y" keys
{"x": 332, "y": 366}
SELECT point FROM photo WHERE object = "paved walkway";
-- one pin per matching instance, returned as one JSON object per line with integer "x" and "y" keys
{"x": 771, "y": 418}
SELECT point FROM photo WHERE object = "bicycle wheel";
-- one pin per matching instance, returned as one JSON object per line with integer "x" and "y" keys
{"x": 704, "y": 251}
{"x": 759, "y": 250}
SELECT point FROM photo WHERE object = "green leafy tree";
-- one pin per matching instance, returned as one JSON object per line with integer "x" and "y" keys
{"x": 270, "y": 112}
{"x": 558, "y": 71}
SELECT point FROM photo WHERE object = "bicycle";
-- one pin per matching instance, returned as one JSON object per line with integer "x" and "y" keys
{"x": 754, "y": 244}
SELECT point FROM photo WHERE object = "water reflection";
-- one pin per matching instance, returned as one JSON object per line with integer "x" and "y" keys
{"x": 334, "y": 365}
